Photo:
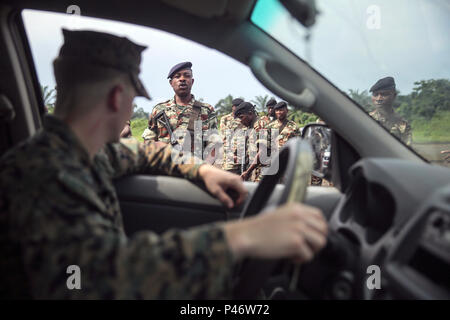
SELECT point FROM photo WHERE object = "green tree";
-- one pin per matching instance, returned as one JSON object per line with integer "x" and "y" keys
{"x": 224, "y": 105}
{"x": 49, "y": 97}
{"x": 302, "y": 118}
{"x": 427, "y": 98}
{"x": 139, "y": 113}
{"x": 362, "y": 98}
{"x": 260, "y": 102}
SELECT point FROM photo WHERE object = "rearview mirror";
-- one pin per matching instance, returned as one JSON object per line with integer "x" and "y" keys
{"x": 319, "y": 136}
{"x": 302, "y": 10}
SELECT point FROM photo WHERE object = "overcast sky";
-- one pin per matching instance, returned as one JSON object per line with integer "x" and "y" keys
{"x": 353, "y": 43}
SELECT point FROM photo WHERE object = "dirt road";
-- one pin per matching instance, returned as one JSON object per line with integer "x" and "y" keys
{"x": 432, "y": 152}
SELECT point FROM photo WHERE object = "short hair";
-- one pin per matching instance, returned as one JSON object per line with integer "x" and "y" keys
{"x": 77, "y": 83}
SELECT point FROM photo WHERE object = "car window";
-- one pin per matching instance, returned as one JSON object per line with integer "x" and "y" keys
{"x": 391, "y": 57}
{"x": 218, "y": 78}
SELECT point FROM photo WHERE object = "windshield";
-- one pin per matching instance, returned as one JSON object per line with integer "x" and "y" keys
{"x": 391, "y": 57}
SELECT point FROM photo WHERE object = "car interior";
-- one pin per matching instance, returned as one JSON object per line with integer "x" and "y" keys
{"x": 388, "y": 208}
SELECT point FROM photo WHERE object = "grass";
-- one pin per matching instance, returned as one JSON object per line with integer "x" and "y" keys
{"x": 137, "y": 127}
{"x": 436, "y": 130}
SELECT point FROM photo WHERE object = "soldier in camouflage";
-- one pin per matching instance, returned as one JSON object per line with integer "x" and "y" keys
{"x": 228, "y": 121}
{"x": 252, "y": 126}
{"x": 58, "y": 205}
{"x": 270, "y": 116}
{"x": 228, "y": 124}
{"x": 287, "y": 129}
{"x": 383, "y": 96}
{"x": 183, "y": 111}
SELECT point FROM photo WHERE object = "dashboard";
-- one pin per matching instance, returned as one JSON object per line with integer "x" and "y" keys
{"x": 393, "y": 223}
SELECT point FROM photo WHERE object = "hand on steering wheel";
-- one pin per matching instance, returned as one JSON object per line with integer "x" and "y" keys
{"x": 294, "y": 163}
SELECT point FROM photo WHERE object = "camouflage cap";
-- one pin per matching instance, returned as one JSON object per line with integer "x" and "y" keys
{"x": 103, "y": 50}
{"x": 178, "y": 67}
{"x": 271, "y": 102}
{"x": 236, "y": 102}
{"x": 383, "y": 84}
{"x": 244, "y": 107}
{"x": 280, "y": 105}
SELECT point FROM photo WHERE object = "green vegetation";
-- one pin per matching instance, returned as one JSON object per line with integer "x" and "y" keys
{"x": 435, "y": 130}
{"x": 49, "y": 97}
{"x": 138, "y": 126}
{"x": 427, "y": 108}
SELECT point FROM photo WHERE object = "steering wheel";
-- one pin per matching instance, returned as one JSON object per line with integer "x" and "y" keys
{"x": 294, "y": 163}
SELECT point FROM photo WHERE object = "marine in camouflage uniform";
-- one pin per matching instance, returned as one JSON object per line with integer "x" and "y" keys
{"x": 383, "y": 96}
{"x": 60, "y": 208}
{"x": 180, "y": 115}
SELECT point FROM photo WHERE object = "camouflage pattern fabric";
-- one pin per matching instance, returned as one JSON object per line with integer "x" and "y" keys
{"x": 229, "y": 127}
{"x": 266, "y": 119}
{"x": 395, "y": 124}
{"x": 232, "y": 160}
{"x": 228, "y": 122}
{"x": 290, "y": 130}
{"x": 255, "y": 143}
{"x": 58, "y": 207}
{"x": 179, "y": 118}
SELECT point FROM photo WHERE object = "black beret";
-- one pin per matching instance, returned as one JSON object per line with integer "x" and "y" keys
{"x": 383, "y": 84}
{"x": 178, "y": 67}
{"x": 271, "y": 102}
{"x": 91, "y": 48}
{"x": 237, "y": 101}
{"x": 279, "y": 105}
{"x": 244, "y": 107}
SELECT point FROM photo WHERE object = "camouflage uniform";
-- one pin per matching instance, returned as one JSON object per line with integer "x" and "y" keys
{"x": 59, "y": 208}
{"x": 266, "y": 119}
{"x": 228, "y": 122}
{"x": 290, "y": 130}
{"x": 396, "y": 125}
{"x": 179, "y": 119}
{"x": 231, "y": 136}
{"x": 255, "y": 144}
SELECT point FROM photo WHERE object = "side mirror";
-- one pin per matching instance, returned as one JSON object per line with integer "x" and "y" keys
{"x": 319, "y": 136}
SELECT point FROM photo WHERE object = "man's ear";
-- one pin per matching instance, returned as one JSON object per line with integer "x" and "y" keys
{"x": 192, "y": 81}
{"x": 115, "y": 97}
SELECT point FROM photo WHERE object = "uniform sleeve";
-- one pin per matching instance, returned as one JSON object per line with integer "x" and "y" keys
{"x": 215, "y": 136}
{"x": 222, "y": 125}
{"x": 194, "y": 264}
{"x": 130, "y": 157}
{"x": 407, "y": 135}
{"x": 212, "y": 119}
{"x": 151, "y": 133}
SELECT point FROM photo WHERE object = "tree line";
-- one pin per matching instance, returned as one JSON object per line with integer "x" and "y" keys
{"x": 428, "y": 99}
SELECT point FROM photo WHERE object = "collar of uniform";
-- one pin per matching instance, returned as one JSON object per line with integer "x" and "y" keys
{"x": 190, "y": 103}
{"x": 69, "y": 141}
